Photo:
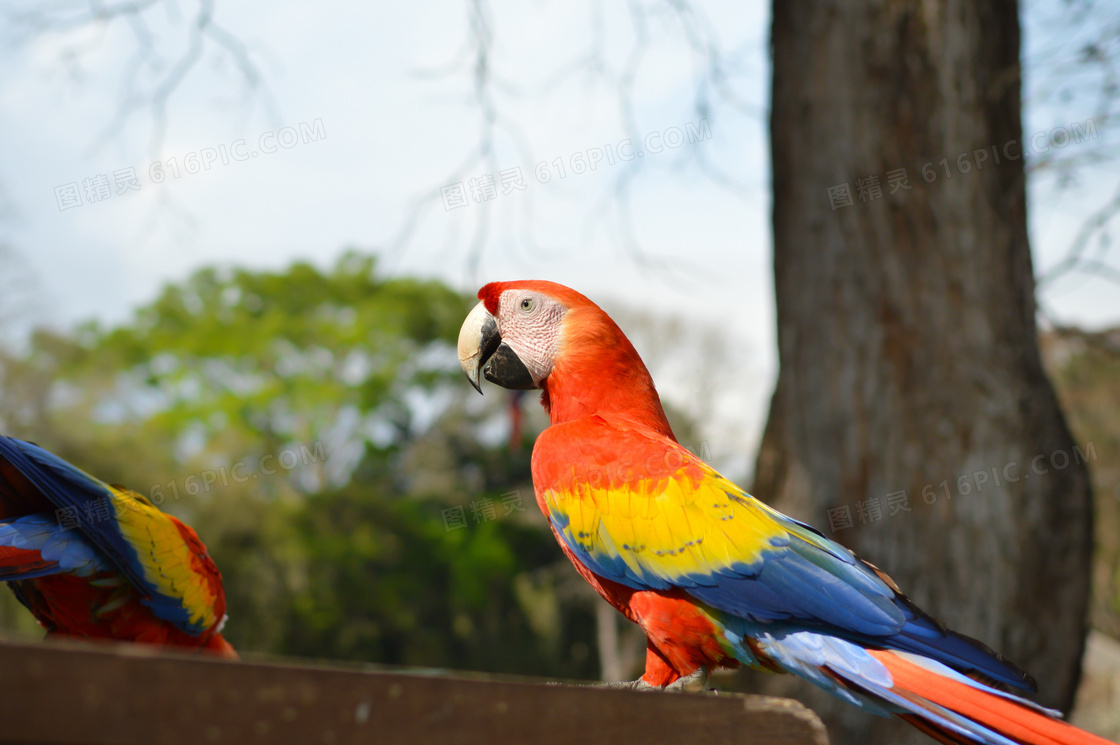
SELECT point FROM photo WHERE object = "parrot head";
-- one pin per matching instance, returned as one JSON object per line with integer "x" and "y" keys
{"x": 537, "y": 334}
{"x": 512, "y": 336}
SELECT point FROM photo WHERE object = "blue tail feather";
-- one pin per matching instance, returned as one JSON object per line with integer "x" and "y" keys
{"x": 926, "y": 636}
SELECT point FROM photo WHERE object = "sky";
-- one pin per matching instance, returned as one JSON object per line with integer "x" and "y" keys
{"x": 367, "y": 122}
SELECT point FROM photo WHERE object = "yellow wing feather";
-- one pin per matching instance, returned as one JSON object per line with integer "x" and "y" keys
{"x": 670, "y": 527}
{"x": 164, "y": 554}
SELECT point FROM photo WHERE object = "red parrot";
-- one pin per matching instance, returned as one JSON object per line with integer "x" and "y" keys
{"x": 95, "y": 561}
{"x": 714, "y": 577}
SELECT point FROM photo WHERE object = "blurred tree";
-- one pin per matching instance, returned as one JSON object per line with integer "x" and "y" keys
{"x": 906, "y": 330}
{"x": 1086, "y": 371}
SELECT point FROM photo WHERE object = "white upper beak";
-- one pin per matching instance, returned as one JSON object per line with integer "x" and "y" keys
{"x": 478, "y": 324}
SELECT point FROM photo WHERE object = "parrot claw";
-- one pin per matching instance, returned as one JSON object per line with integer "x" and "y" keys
{"x": 628, "y": 685}
{"x": 696, "y": 681}
{"x": 620, "y": 685}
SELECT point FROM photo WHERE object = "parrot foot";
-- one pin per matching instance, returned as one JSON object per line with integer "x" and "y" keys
{"x": 627, "y": 685}
{"x": 696, "y": 681}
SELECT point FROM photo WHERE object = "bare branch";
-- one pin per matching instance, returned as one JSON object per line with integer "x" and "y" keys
{"x": 716, "y": 72}
{"x": 1075, "y": 259}
{"x": 57, "y": 18}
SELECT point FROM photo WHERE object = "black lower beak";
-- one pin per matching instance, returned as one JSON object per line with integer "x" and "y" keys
{"x": 506, "y": 369}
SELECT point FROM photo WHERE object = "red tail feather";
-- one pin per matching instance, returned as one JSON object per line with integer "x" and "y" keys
{"x": 1012, "y": 720}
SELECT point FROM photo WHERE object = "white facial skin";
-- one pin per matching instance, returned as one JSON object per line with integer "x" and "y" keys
{"x": 529, "y": 323}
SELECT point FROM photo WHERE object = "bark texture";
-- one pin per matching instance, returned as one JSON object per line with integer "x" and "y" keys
{"x": 907, "y": 337}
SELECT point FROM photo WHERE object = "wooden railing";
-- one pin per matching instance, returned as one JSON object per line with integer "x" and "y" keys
{"x": 70, "y": 694}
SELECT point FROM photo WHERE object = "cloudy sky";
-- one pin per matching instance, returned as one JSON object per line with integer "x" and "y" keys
{"x": 364, "y": 111}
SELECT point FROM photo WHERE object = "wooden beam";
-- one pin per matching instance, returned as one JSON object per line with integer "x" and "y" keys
{"x": 71, "y": 694}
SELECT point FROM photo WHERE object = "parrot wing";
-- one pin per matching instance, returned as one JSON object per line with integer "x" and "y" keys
{"x": 163, "y": 558}
{"x": 659, "y": 518}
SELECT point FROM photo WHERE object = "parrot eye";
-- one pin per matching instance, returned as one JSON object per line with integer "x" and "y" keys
{"x": 527, "y": 305}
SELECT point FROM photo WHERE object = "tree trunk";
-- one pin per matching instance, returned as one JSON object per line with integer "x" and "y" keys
{"x": 911, "y": 394}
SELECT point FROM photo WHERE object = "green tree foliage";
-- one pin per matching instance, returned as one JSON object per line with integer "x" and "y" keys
{"x": 315, "y": 428}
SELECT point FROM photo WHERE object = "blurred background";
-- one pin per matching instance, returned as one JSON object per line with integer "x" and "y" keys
{"x": 237, "y": 242}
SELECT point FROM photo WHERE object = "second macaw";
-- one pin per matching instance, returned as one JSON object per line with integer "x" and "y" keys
{"x": 94, "y": 561}
{"x": 714, "y": 577}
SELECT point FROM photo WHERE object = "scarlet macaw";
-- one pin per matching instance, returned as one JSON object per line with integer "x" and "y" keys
{"x": 714, "y": 577}
{"x": 124, "y": 570}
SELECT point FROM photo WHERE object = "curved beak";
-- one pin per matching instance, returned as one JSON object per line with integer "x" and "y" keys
{"x": 478, "y": 340}
{"x": 483, "y": 353}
